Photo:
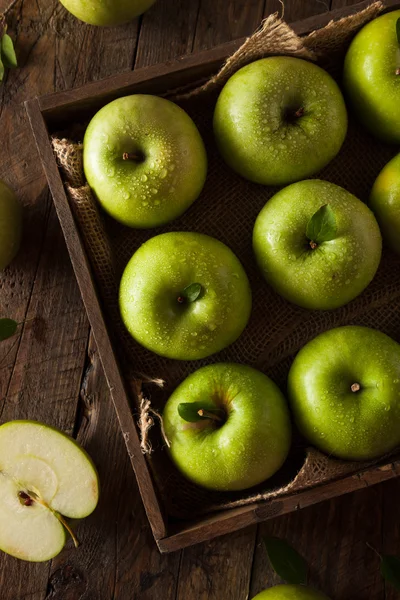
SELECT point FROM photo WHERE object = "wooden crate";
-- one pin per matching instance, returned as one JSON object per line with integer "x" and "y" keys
{"x": 54, "y": 112}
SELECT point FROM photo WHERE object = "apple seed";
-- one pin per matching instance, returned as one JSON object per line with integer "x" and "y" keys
{"x": 25, "y": 498}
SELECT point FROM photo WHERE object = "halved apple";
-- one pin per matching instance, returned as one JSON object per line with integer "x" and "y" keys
{"x": 44, "y": 476}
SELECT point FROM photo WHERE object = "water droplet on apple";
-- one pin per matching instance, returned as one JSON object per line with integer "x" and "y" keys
{"x": 126, "y": 195}
{"x": 163, "y": 173}
{"x": 172, "y": 167}
{"x": 143, "y": 177}
{"x": 154, "y": 191}
{"x": 145, "y": 203}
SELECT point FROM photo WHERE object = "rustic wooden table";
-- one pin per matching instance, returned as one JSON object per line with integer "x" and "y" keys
{"x": 51, "y": 370}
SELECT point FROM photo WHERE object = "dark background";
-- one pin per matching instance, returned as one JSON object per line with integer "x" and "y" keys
{"x": 51, "y": 370}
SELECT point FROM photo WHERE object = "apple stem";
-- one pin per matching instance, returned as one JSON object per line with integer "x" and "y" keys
{"x": 135, "y": 156}
{"x": 299, "y": 112}
{"x": 356, "y": 387}
{"x": 313, "y": 245}
{"x": 397, "y": 71}
{"x": 208, "y": 415}
{"x": 59, "y": 517}
{"x": 180, "y": 299}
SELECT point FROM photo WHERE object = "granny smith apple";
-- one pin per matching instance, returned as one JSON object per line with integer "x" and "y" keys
{"x": 372, "y": 76}
{"x": 290, "y": 592}
{"x": 385, "y": 202}
{"x": 44, "y": 477}
{"x": 344, "y": 390}
{"x": 317, "y": 244}
{"x": 228, "y": 427}
{"x": 10, "y": 225}
{"x": 184, "y": 295}
{"x": 279, "y": 119}
{"x": 104, "y": 12}
{"x": 144, "y": 159}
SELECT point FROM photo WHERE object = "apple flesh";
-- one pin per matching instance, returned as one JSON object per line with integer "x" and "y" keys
{"x": 371, "y": 77}
{"x": 290, "y": 592}
{"x": 10, "y": 225}
{"x": 385, "y": 202}
{"x": 279, "y": 119}
{"x": 44, "y": 477}
{"x": 344, "y": 390}
{"x": 316, "y": 276}
{"x": 144, "y": 159}
{"x": 152, "y": 296}
{"x": 99, "y": 12}
{"x": 247, "y": 443}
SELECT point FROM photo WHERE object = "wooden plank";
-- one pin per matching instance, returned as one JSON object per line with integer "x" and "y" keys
{"x": 167, "y": 31}
{"x": 333, "y": 538}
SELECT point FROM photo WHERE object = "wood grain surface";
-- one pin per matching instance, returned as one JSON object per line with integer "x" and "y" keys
{"x": 51, "y": 370}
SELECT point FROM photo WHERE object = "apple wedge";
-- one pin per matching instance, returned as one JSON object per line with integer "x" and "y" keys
{"x": 44, "y": 476}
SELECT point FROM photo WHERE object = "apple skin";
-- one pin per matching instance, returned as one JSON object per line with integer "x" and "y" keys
{"x": 10, "y": 225}
{"x": 245, "y": 450}
{"x": 337, "y": 270}
{"x": 154, "y": 279}
{"x": 255, "y": 127}
{"x": 290, "y": 592}
{"x": 170, "y": 177}
{"x": 353, "y": 425}
{"x": 385, "y": 202}
{"x": 105, "y": 13}
{"x": 370, "y": 79}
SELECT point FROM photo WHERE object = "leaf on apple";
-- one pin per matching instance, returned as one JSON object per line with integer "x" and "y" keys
{"x": 192, "y": 292}
{"x": 8, "y": 55}
{"x": 8, "y": 327}
{"x": 1, "y": 69}
{"x": 189, "y": 411}
{"x": 322, "y": 225}
{"x": 286, "y": 561}
{"x": 398, "y": 29}
{"x": 390, "y": 569}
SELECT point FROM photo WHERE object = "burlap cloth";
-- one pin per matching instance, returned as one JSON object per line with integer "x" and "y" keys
{"x": 227, "y": 209}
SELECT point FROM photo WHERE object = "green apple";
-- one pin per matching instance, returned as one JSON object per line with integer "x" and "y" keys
{"x": 104, "y": 12}
{"x": 185, "y": 295}
{"x": 344, "y": 389}
{"x": 244, "y": 434}
{"x": 385, "y": 202}
{"x": 10, "y": 225}
{"x": 144, "y": 159}
{"x": 44, "y": 477}
{"x": 290, "y": 592}
{"x": 372, "y": 77}
{"x": 279, "y": 119}
{"x": 317, "y": 244}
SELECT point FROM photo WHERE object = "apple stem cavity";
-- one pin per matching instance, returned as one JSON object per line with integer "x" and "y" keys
{"x": 137, "y": 157}
{"x": 208, "y": 415}
{"x": 356, "y": 387}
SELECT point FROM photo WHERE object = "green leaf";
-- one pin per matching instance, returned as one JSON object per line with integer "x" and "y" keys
{"x": 1, "y": 70}
{"x": 286, "y": 562}
{"x": 8, "y": 53}
{"x": 322, "y": 225}
{"x": 189, "y": 411}
{"x": 8, "y": 327}
{"x": 192, "y": 292}
{"x": 398, "y": 29}
{"x": 390, "y": 569}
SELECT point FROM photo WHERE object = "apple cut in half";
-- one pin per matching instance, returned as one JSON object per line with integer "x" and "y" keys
{"x": 44, "y": 476}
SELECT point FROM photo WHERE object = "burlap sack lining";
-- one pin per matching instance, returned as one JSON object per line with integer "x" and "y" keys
{"x": 109, "y": 246}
